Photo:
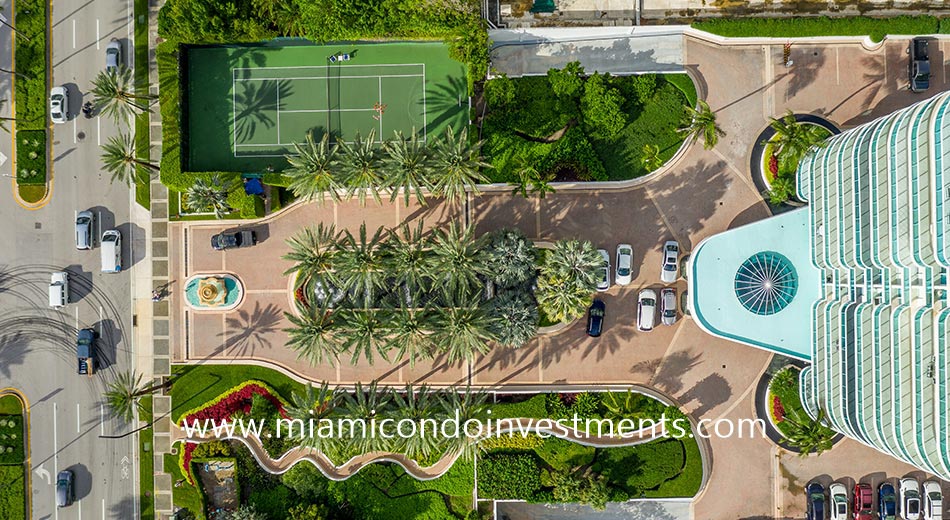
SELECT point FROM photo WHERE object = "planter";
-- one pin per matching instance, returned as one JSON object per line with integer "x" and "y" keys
{"x": 762, "y": 161}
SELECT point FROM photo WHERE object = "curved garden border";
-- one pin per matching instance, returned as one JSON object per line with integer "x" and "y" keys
{"x": 222, "y": 308}
{"x": 763, "y": 409}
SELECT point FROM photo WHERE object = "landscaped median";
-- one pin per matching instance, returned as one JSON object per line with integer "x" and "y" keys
{"x": 517, "y": 466}
{"x": 13, "y": 450}
{"x": 803, "y": 26}
{"x": 31, "y": 92}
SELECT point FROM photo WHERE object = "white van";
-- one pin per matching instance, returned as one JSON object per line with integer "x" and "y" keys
{"x": 59, "y": 289}
{"x": 111, "y": 251}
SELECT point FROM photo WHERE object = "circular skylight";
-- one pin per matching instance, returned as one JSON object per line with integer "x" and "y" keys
{"x": 766, "y": 283}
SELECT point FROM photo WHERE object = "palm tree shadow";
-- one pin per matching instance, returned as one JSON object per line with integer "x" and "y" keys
{"x": 256, "y": 105}
{"x": 252, "y": 330}
{"x": 449, "y": 100}
{"x": 670, "y": 368}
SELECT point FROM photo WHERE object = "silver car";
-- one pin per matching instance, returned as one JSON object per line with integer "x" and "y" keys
{"x": 933, "y": 501}
{"x": 65, "y": 490}
{"x": 84, "y": 221}
{"x": 58, "y": 104}
{"x": 909, "y": 491}
{"x": 668, "y": 306}
{"x": 646, "y": 310}
{"x": 113, "y": 55}
{"x": 603, "y": 281}
{"x": 671, "y": 253}
{"x": 624, "y": 264}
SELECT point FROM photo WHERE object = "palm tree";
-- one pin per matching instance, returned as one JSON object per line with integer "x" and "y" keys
{"x": 311, "y": 170}
{"x": 314, "y": 404}
{"x": 782, "y": 189}
{"x": 205, "y": 195}
{"x": 573, "y": 260}
{"x": 418, "y": 406}
{"x": 124, "y": 394}
{"x": 312, "y": 251}
{"x": 562, "y": 300}
{"x": 113, "y": 92}
{"x": 360, "y": 166}
{"x": 366, "y": 404}
{"x": 410, "y": 335}
{"x": 515, "y": 317}
{"x": 795, "y": 138}
{"x": 120, "y": 160}
{"x": 650, "y": 157}
{"x": 809, "y": 435}
{"x": 462, "y": 332}
{"x": 407, "y": 259}
{"x": 509, "y": 258}
{"x": 701, "y": 123}
{"x": 407, "y": 166}
{"x": 365, "y": 334}
{"x": 470, "y": 405}
{"x": 361, "y": 265}
{"x": 457, "y": 166}
{"x": 314, "y": 335}
{"x": 531, "y": 182}
{"x": 456, "y": 261}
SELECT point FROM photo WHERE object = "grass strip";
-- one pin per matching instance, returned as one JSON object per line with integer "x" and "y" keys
{"x": 143, "y": 187}
{"x": 146, "y": 464}
{"x": 875, "y": 28}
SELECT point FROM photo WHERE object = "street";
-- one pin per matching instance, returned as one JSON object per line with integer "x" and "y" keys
{"x": 37, "y": 343}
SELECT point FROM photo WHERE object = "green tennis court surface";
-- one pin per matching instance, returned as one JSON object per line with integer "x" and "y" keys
{"x": 246, "y": 105}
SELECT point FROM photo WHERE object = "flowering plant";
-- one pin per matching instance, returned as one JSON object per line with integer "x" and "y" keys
{"x": 778, "y": 411}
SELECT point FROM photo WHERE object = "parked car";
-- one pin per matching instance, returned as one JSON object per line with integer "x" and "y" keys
{"x": 671, "y": 253}
{"x": 838, "y": 501}
{"x": 113, "y": 55}
{"x": 668, "y": 306}
{"x": 909, "y": 490}
{"x": 58, "y": 104}
{"x": 919, "y": 65}
{"x": 646, "y": 310}
{"x": 624, "y": 264}
{"x": 86, "y": 351}
{"x": 863, "y": 508}
{"x": 59, "y": 289}
{"x": 816, "y": 502}
{"x": 235, "y": 239}
{"x": 84, "y": 222}
{"x": 65, "y": 490}
{"x": 886, "y": 502}
{"x": 603, "y": 281}
{"x": 933, "y": 501}
{"x": 684, "y": 267}
{"x": 595, "y": 318}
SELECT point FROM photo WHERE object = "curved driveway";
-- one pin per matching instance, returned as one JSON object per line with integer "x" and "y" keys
{"x": 705, "y": 193}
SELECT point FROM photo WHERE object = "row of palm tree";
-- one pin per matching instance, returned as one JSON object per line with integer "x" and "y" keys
{"x": 418, "y": 405}
{"x": 450, "y": 167}
{"x": 567, "y": 279}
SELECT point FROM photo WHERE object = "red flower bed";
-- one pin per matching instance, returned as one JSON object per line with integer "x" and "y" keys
{"x": 240, "y": 399}
{"x": 186, "y": 454}
{"x": 778, "y": 411}
{"x": 773, "y": 165}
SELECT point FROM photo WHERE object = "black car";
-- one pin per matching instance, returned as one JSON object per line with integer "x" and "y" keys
{"x": 919, "y": 65}
{"x": 816, "y": 501}
{"x": 235, "y": 239}
{"x": 595, "y": 318}
{"x": 65, "y": 491}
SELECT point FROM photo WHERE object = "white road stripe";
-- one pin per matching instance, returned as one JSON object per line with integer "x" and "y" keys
{"x": 76, "y": 313}
{"x": 97, "y": 33}
{"x": 102, "y": 420}
{"x": 74, "y": 33}
{"x": 98, "y": 131}
{"x": 103, "y": 509}
{"x": 55, "y": 459}
{"x": 75, "y": 131}
{"x": 77, "y": 418}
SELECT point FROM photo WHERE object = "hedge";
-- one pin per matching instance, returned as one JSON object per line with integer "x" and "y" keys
{"x": 11, "y": 439}
{"x": 509, "y": 476}
{"x": 875, "y": 28}
{"x": 30, "y": 92}
{"x": 12, "y": 492}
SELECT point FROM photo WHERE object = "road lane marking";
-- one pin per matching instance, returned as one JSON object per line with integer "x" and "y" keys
{"x": 98, "y": 131}
{"x": 55, "y": 458}
{"x": 100, "y": 320}
{"x": 79, "y": 505}
{"x": 74, "y": 33}
{"x": 75, "y": 131}
{"x": 97, "y": 33}
{"x": 103, "y": 509}
{"x": 77, "y": 317}
{"x": 77, "y": 418}
{"x": 102, "y": 420}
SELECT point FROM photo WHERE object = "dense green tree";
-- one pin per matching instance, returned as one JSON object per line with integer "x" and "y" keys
{"x": 499, "y": 91}
{"x": 367, "y": 403}
{"x": 407, "y": 167}
{"x": 701, "y": 123}
{"x": 121, "y": 161}
{"x": 645, "y": 87}
{"x": 313, "y": 404}
{"x": 246, "y": 512}
{"x": 313, "y": 168}
{"x": 314, "y": 335}
{"x": 113, "y": 92}
{"x": 585, "y": 489}
{"x": 210, "y": 21}
{"x": 407, "y": 259}
{"x": 209, "y": 195}
{"x": 532, "y": 182}
{"x": 567, "y": 280}
{"x": 602, "y": 107}
{"x": 309, "y": 511}
{"x": 457, "y": 166}
{"x": 567, "y": 82}
{"x": 361, "y": 167}
{"x": 470, "y": 405}
{"x": 509, "y": 258}
{"x": 365, "y": 334}
{"x": 469, "y": 44}
{"x": 514, "y": 318}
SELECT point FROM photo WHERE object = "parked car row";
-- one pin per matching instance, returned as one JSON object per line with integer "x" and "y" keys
{"x": 647, "y": 301}
{"x": 911, "y": 502}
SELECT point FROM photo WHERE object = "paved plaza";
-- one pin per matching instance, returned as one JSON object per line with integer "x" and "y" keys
{"x": 701, "y": 194}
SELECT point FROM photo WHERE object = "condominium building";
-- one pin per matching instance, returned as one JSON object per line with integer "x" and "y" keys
{"x": 855, "y": 283}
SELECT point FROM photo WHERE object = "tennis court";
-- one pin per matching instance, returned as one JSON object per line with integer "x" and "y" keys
{"x": 247, "y": 105}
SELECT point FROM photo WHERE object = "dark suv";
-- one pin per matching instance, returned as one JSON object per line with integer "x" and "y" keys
{"x": 235, "y": 239}
{"x": 816, "y": 501}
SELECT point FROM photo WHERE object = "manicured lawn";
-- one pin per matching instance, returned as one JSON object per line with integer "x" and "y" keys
{"x": 184, "y": 496}
{"x": 10, "y": 405}
{"x": 545, "y": 131}
{"x": 12, "y": 492}
{"x": 31, "y": 193}
{"x": 31, "y": 97}
{"x": 876, "y": 28}
{"x": 142, "y": 147}
{"x": 31, "y": 157}
{"x": 147, "y": 465}
{"x": 198, "y": 384}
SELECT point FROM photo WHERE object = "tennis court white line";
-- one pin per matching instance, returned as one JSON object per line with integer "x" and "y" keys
{"x": 338, "y": 77}
{"x": 340, "y": 66}
{"x": 425, "y": 112}
{"x": 380, "y": 101}
{"x": 233, "y": 113}
{"x": 278, "y": 113}
{"x": 318, "y": 110}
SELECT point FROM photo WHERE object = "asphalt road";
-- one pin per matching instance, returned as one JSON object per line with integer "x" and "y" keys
{"x": 37, "y": 343}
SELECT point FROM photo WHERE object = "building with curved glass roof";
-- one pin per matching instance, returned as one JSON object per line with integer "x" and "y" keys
{"x": 872, "y": 274}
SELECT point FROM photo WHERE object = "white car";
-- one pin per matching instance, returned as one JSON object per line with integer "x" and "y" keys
{"x": 671, "y": 253}
{"x": 839, "y": 501}
{"x": 58, "y": 104}
{"x": 668, "y": 306}
{"x": 909, "y": 504}
{"x": 646, "y": 310}
{"x": 603, "y": 281}
{"x": 113, "y": 55}
{"x": 624, "y": 264}
{"x": 933, "y": 501}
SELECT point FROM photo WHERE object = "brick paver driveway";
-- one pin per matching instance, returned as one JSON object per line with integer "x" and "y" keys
{"x": 706, "y": 192}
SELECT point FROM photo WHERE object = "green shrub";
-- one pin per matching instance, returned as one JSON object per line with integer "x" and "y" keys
{"x": 532, "y": 408}
{"x": 11, "y": 439}
{"x": 509, "y": 476}
{"x": 637, "y": 469}
{"x": 12, "y": 492}
{"x": 513, "y": 442}
{"x": 564, "y": 455}
{"x": 273, "y": 501}
{"x": 31, "y": 60}
{"x": 31, "y": 157}
{"x": 875, "y": 28}
{"x": 499, "y": 91}
{"x": 645, "y": 87}
{"x": 211, "y": 449}
{"x": 684, "y": 84}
